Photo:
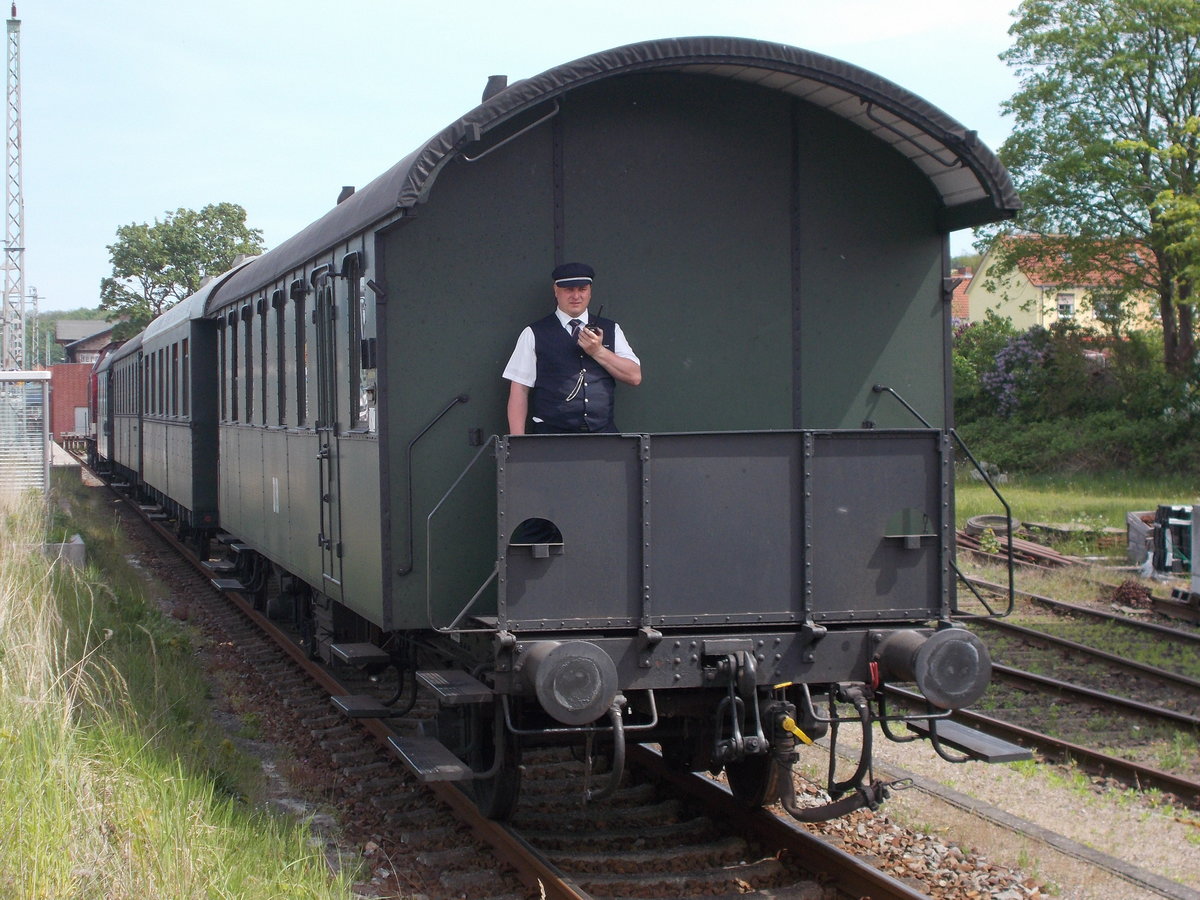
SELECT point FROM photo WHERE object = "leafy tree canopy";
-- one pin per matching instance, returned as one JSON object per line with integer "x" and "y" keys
{"x": 1105, "y": 149}
{"x": 156, "y": 266}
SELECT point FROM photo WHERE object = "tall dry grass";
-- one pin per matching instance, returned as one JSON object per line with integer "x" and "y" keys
{"x": 96, "y": 798}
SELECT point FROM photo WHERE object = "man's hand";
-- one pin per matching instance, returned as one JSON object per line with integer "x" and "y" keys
{"x": 624, "y": 370}
{"x": 591, "y": 341}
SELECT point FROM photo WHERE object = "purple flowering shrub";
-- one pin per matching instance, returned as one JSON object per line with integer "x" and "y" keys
{"x": 1019, "y": 371}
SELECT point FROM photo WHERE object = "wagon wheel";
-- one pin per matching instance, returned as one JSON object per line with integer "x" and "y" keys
{"x": 755, "y": 780}
{"x": 496, "y": 796}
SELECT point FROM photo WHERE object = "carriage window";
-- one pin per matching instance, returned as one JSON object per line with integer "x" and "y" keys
{"x": 185, "y": 381}
{"x": 354, "y": 348}
{"x": 280, "y": 357}
{"x": 262, "y": 368}
{"x": 368, "y": 373}
{"x": 248, "y": 337}
{"x": 357, "y": 352}
{"x": 223, "y": 368}
{"x": 301, "y": 324}
{"x": 175, "y": 379}
{"x": 234, "y": 362}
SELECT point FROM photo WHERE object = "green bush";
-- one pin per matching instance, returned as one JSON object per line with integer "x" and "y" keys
{"x": 1101, "y": 441}
{"x": 974, "y": 354}
{"x": 1064, "y": 399}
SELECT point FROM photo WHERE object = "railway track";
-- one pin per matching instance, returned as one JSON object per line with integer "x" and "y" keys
{"x": 1037, "y": 657}
{"x": 1096, "y": 699}
{"x": 665, "y": 834}
{"x": 1137, "y": 776}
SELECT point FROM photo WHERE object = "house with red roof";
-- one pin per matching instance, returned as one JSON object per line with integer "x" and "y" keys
{"x": 1045, "y": 287}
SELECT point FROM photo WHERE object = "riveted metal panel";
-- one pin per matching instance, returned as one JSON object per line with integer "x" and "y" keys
{"x": 589, "y": 487}
{"x": 879, "y": 507}
{"x": 726, "y": 528}
{"x": 755, "y": 528}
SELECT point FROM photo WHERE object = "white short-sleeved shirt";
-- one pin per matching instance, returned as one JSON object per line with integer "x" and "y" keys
{"x": 522, "y": 365}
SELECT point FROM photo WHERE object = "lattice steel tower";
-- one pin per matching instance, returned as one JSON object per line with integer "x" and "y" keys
{"x": 14, "y": 229}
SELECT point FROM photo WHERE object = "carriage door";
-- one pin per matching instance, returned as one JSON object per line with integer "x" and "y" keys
{"x": 330, "y": 538}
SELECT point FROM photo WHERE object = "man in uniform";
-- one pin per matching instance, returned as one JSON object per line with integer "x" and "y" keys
{"x": 565, "y": 367}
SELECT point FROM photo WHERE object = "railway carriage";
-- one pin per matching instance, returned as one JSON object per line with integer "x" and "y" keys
{"x": 100, "y": 411}
{"x": 179, "y": 415}
{"x": 770, "y": 538}
{"x": 121, "y": 388}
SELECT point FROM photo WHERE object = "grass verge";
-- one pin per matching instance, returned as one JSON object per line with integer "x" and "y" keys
{"x": 114, "y": 783}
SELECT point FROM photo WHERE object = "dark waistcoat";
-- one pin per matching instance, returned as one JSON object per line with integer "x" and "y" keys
{"x": 559, "y": 363}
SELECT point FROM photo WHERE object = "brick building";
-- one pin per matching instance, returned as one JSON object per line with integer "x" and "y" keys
{"x": 82, "y": 340}
{"x": 69, "y": 399}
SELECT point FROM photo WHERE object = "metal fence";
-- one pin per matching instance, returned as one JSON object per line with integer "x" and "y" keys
{"x": 24, "y": 434}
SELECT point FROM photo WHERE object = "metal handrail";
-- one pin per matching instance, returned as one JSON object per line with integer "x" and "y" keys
{"x": 452, "y": 627}
{"x": 1012, "y": 598}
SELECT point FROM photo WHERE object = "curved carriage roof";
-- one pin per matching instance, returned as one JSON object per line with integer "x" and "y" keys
{"x": 129, "y": 347}
{"x": 973, "y": 185}
{"x": 191, "y": 307}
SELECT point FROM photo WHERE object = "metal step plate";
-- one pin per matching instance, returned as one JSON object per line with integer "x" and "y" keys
{"x": 363, "y": 706}
{"x": 453, "y": 687}
{"x": 229, "y": 584}
{"x": 219, "y": 565}
{"x": 361, "y": 655}
{"x": 429, "y": 759}
{"x": 974, "y": 743}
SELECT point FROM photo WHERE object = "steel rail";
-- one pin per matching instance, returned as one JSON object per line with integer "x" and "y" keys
{"x": 851, "y": 874}
{"x": 811, "y": 853}
{"x": 1066, "y": 688}
{"x": 1131, "y": 773}
{"x": 534, "y": 871}
{"x": 1050, "y": 640}
{"x": 1074, "y": 608}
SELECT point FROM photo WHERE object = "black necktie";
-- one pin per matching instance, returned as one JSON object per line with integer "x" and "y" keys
{"x": 575, "y": 323}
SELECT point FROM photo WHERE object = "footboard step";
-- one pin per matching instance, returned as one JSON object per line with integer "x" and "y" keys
{"x": 453, "y": 687}
{"x": 229, "y": 584}
{"x": 361, "y": 655}
{"x": 363, "y": 706}
{"x": 429, "y": 759}
{"x": 974, "y": 743}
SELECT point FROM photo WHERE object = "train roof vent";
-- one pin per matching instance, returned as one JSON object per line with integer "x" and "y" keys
{"x": 495, "y": 84}
{"x": 347, "y": 193}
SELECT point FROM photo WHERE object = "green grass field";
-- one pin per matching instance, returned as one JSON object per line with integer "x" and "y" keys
{"x": 1091, "y": 501}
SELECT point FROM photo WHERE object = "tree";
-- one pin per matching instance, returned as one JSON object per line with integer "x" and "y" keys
{"x": 156, "y": 266}
{"x": 1105, "y": 150}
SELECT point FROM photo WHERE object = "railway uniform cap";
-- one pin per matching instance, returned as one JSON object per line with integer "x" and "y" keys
{"x": 573, "y": 274}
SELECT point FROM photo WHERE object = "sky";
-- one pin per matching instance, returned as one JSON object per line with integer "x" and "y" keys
{"x": 135, "y": 108}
